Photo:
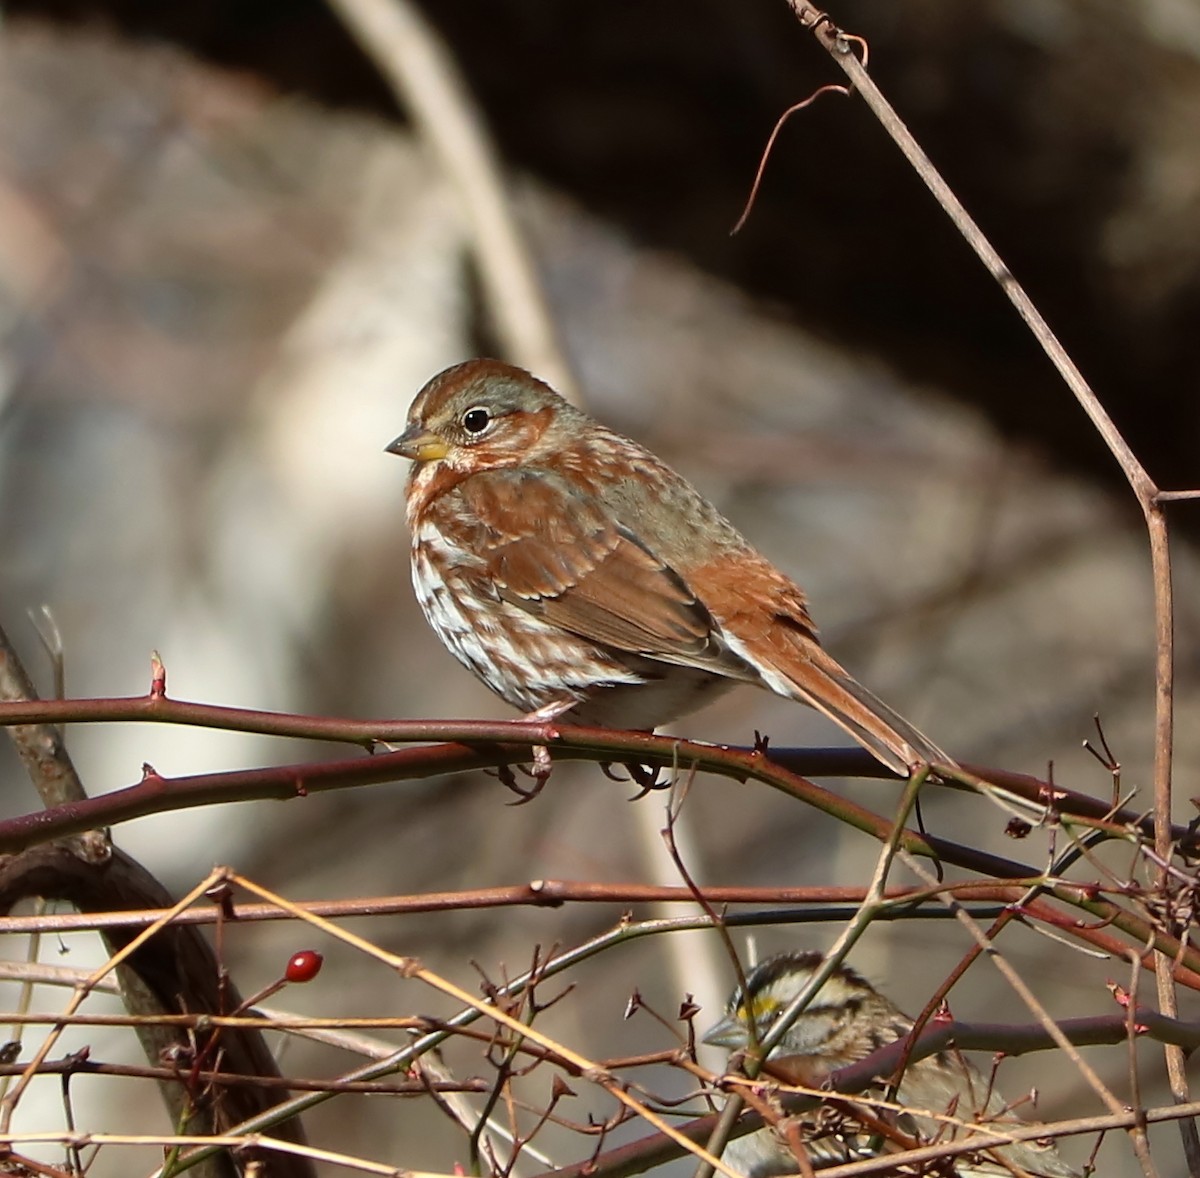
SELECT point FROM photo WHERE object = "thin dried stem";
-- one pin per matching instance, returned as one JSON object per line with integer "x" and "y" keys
{"x": 1149, "y": 497}
{"x": 1137, "y": 1132}
{"x": 867, "y": 911}
{"x": 408, "y": 967}
{"x": 428, "y": 83}
{"x": 8, "y": 1106}
{"x": 232, "y": 1141}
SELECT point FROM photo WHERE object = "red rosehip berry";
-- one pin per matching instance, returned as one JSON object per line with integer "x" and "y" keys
{"x": 303, "y": 966}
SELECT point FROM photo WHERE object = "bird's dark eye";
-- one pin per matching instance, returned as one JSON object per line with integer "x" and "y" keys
{"x": 476, "y": 420}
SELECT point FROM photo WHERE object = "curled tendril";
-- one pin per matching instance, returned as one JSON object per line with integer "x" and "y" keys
{"x": 828, "y": 88}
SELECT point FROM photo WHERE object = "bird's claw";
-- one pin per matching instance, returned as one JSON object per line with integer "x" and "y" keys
{"x": 539, "y": 772}
{"x": 646, "y": 777}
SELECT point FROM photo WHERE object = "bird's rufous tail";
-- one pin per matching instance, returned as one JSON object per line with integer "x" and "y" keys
{"x": 817, "y": 679}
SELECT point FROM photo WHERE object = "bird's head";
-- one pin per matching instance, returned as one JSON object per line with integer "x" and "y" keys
{"x": 483, "y": 415}
{"x": 843, "y": 1000}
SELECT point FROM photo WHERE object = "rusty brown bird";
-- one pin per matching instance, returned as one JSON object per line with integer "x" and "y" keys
{"x": 578, "y": 575}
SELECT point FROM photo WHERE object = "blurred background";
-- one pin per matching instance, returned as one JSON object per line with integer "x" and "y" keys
{"x": 228, "y": 261}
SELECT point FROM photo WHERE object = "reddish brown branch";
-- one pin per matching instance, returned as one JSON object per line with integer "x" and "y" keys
{"x": 74, "y": 1066}
{"x": 155, "y": 794}
{"x": 807, "y": 908}
{"x": 510, "y": 738}
{"x": 537, "y": 894}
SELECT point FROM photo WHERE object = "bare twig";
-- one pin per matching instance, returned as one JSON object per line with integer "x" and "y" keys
{"x": 39, "y": 744}
{"x": 82, "y": 991}
{"x": 228, "y": 1141}
{"x": 1137, "y": 1131}
{"x": 1149, "y": 497}
{"x": 868, "y": 910}
{"x": 408, "y": 967}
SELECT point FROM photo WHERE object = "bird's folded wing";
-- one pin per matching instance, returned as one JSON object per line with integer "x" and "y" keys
{"x": 556, "y": 553}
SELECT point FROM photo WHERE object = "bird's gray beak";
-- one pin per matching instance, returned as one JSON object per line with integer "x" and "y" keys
{"x": 419, "y": 444}
{"x": 730, "y": 1032}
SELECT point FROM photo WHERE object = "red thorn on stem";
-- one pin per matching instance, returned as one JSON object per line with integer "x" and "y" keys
{"x": 158, "y": 677}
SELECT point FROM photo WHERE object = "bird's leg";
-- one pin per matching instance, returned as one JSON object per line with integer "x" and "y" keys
{"x": 541, "y": 754}
{"x": 542, "y": 765}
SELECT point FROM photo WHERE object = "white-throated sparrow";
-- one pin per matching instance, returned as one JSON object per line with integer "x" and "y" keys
{"x": 846, "y": 1021}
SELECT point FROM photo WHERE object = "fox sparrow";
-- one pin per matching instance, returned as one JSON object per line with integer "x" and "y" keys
{"x": 574, "y": 572}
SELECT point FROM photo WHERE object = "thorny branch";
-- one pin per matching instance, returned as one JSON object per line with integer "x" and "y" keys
{"x": 488, "y": 743}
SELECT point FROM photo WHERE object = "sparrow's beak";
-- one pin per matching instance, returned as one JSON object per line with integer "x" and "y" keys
{"x": 730, "y": 1032}
{"x": 419, "y": 444}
